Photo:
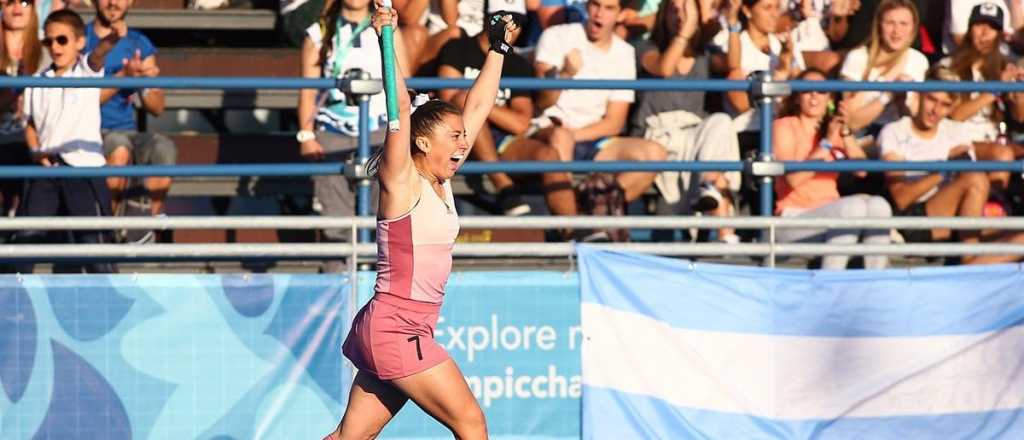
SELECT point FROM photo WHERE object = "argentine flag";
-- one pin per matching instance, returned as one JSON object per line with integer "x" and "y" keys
{"x": 679, "y": 350}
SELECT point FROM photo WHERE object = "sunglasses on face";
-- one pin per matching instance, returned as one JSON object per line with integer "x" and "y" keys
{"x": 61, "y": 40}
{"x": 23, "y": 3}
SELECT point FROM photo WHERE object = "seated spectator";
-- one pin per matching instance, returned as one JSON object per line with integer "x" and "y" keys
{"x": 133, "y": 56}
{"x": 1010, "y": 15}
{"x": 59, "y": 137}
{"x": 815, "y": 25}
{"x": 979, "y": 58}
{"x": 20, "y": 54}
{"x": 449, "y": 20}
{"x": 677, "y": 120}
{"x": 1012, "y": 127}
{"x": 885, "y": 56}
{"x": 930, "y": 136}
{"x": 340, "y": 42}
{"x": 501, "y": 137}
{"x": 751, "y": 44}
{"x": 585, "y": 124}
{"x": 806, "y": 132}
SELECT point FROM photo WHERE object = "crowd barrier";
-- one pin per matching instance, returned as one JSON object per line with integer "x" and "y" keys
{"x": 762, "y": 89}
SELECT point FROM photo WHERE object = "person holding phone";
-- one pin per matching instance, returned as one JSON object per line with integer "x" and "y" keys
{"x": 806, "y": 132}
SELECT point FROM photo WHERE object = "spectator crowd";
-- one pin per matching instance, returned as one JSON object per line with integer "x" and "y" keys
{"x": 814, "y": 40}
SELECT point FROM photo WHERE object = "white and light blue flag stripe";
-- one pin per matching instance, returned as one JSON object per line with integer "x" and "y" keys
{"x": 676, "y": 350}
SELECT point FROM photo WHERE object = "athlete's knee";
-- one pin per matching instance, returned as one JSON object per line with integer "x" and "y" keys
{"x": 470, "y": 425}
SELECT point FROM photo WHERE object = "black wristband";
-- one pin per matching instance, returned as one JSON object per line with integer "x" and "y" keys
{"x": 496, "y": 32}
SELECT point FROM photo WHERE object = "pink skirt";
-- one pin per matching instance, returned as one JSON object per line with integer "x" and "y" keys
{"x": 393, "y": 337}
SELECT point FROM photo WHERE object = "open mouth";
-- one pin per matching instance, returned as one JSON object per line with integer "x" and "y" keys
{"x": 457, "y": 157}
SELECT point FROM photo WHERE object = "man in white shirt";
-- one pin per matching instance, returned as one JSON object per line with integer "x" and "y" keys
{"x": 930, "y": 136}
{"x": 585, "y": 124}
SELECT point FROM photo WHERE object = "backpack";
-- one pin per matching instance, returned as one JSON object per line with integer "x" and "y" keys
{"x": 600, "y": 194}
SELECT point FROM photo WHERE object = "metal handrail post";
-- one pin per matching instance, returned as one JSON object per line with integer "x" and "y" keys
{"x": 358, "y": 87}
{"x": 763, "y": 92}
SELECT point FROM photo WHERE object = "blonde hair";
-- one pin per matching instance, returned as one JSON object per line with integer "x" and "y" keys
{"x": 874, "y": 43}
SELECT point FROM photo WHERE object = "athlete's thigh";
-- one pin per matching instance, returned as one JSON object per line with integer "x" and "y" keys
{"x": 371, "y": 405}
{"x": 441, "y": 391}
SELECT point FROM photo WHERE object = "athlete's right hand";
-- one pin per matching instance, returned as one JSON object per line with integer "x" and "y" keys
{"x": 383, "y": 16}
{"x": 312, "y": 151}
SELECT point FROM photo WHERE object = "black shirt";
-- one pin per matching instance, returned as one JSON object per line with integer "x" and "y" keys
{"x": 464, "y": 55}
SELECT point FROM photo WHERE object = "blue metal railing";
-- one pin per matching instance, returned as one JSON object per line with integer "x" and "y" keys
{"x": 306, "y": 169}
{"x": 525, "y": 167}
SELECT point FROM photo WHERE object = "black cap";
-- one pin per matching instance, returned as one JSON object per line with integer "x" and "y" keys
{"x": 988, "y": 13}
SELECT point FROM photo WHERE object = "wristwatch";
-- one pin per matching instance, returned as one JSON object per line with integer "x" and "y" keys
{"x": 736, "y": 27}
{"x": 305, "y": 136}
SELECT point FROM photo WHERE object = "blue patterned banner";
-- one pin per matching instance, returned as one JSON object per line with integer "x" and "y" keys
{"x": 171, "y": 356}
{"x": 233, "y": 357}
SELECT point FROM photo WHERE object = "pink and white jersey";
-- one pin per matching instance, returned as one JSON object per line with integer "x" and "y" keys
{"x": 414, "y": 251}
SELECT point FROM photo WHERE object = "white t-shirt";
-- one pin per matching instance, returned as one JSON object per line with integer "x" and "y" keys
{"x": 751, "y": 57}
{"x": 899, "y": 137}
{"x": 915, "y": 66}
{"x": 579, "y": 108}
{"x": 68, "y": 119}
{"x": 363, "y": 52}
{"x": 959, "y": 15}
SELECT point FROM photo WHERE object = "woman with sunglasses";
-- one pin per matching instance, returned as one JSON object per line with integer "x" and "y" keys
{"x": 806, "y": 132}
{"x": 20, "y": 54}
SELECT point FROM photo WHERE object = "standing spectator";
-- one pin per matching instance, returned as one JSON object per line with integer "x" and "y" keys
{"x": 20, "y": 54}
{"x": 807, "y": 132}
{"x": 63, "y": 127}
{"x": 886, "y": 56}
{"x": 751, "y": 44}
{"x": 930, "y": 136}
{"x": 341, "y": 41}
{"x": 585, "y": 124}
{"x": 677, "y": 119}
{"x": 133, "y": 56}
{"x": 508, "y": 120}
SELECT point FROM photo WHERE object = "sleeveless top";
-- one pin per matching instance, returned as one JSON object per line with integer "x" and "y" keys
{"x": 414, "y": 251}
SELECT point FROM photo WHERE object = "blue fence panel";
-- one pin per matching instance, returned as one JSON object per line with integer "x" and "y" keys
{"x": 233, "y": 357}
{"x": 172, "y": 356}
